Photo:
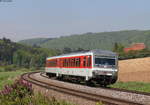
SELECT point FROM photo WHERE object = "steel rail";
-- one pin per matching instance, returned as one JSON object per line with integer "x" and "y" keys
{"x": 116, "y": 89}
{"x": 93, "y": 97}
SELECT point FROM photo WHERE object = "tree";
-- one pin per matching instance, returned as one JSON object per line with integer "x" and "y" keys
{"x": 118, "y": 47}
{"x": 67, "y": 50}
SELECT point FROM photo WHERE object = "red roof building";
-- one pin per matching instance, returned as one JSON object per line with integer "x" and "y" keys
{"x": 135, "y": 47}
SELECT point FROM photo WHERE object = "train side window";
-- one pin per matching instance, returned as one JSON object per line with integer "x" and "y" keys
{"x": 70, "y": 62}
{"x": 73, "y": 62}
{"x": 84, "y": 62}
{"x": 89, "y": 61}
{"x": 63, "y": 62}
{"x": 67, "y": 62}
{"x": 79, "y": 62}
{"x": 76, "y": 62}
{"x": 50, "y": 64}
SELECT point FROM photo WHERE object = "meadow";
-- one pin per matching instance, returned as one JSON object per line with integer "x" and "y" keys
{"x": 9, "y": 77}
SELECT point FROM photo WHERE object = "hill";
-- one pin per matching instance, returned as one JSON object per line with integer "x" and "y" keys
{"x": 35, "y": 41}
{"x": 103, "y": 40}
{"x": 135, "y": 70}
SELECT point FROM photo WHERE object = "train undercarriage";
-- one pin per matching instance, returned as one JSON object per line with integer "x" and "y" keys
{"x": 101, "y": 80}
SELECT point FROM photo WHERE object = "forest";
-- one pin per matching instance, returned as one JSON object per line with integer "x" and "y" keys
{"x": 19, "y": 55}
{"x": 90, "y": 40}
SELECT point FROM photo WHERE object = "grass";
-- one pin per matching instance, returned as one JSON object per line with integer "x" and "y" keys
{"x": 137, "y": 86}
{"x": 9, "y": 77}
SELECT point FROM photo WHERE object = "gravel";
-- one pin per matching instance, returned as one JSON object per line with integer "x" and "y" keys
{"x": 143, "y": 99}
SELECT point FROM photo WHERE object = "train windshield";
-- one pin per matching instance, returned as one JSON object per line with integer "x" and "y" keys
{"x": 104, "y": 62}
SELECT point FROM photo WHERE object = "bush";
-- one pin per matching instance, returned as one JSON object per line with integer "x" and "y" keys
{"x": 15, "y": 93}
{"x": 21, "y": 93}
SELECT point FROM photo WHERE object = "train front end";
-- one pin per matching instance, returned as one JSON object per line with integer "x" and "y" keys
{"x": 105, "y": 67}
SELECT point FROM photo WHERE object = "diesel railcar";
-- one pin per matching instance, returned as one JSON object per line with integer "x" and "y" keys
{"x": 95, "y": 65}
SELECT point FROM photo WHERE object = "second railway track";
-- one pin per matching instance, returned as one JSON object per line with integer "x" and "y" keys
{"x": 78, "y": 93}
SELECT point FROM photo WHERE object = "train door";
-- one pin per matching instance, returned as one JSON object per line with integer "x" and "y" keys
{"x": 87, "y": 65}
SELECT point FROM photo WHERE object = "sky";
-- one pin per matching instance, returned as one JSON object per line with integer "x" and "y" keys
{"x": 24, "y": 19}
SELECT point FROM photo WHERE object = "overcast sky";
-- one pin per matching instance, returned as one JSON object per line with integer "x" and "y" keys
{"x": 23, "y": 19}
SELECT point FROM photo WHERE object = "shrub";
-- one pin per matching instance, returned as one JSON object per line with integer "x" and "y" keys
{"x": 21, "y": 93}
{"x": 13, "y": 94}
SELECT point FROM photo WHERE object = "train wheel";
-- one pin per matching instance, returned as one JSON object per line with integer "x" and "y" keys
{"x": 90, "y": 83}
{"x": 103, "y": 85}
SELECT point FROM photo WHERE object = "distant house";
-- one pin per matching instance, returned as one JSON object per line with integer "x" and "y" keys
{"x": 135, "y": 47}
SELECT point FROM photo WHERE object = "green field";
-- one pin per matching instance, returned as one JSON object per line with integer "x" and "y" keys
{"x": 137, "y": 86}
{"x": 9, "y": 77}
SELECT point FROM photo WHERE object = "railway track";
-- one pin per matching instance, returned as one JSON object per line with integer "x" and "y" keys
{"x": 116, "y": 89}
{"x": 82, "y": 94}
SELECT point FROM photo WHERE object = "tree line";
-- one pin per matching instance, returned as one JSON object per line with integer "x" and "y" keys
{"x": 118, "y": 48}
{"x": 12, "y": 53}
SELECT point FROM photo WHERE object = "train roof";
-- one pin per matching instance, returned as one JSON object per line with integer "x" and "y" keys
{"x": 89, "y": 52}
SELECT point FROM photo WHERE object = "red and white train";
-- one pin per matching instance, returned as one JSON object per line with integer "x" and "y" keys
{"x": 98, "y": 65}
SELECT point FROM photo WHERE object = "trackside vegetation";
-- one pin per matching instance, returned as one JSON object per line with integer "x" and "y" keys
{"x": 10, "y": 76}
{"x": 21, "y": 93}
{"x": 136, "y": 86}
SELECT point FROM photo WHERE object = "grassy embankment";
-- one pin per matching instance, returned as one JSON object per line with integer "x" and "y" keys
{"x": 137, "y": 70}
{"x": 137, "y": 86}
{"x": 9, "y": 77}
